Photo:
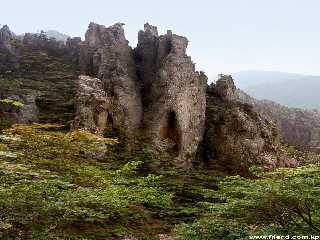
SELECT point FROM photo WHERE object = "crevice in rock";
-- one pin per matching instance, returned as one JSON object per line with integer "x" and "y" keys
{"x": 170, "y": 130}
{"x": 111, "y": 130}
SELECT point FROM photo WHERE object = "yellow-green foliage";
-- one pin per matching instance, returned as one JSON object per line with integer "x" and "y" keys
{"x": 76, "y": 185}
{"x": 304, "y": 157}
{"x": 67, "y": 186}
{"x": 12, "y": 102}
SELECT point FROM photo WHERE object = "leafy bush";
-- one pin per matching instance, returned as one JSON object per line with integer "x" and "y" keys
{"x": 283, "y": 201}
{"x": 13, "y": 103}
{"x": 210, "y": 229}
{"x": 5, "y": 122}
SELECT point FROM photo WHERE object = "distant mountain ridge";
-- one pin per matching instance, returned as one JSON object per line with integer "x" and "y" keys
{"x": 289, "y": 89}
{"x": 57, "y": 35}
{"x": 299, "y": 127}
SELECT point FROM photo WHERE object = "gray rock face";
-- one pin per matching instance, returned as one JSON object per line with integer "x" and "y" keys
{"x": 28, "y": 113}
{"x": 105, "y": 54}
{"x": 8, "y": 51}
{"x": 5, "y": 33}
{"x": 175, "y": 93}
{"x": 225, "y": 88}
{"x": 5, "y": 39}
{"x": 237, "y": 136}
{"x": 91, "y": 105}
{"x": 153, "y": 89}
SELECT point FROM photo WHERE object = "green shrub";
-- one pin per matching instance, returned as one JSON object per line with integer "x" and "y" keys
{"x": 5, "y": 122}
{"x": 283, "y": 201}
{"x": 11, "y": 102}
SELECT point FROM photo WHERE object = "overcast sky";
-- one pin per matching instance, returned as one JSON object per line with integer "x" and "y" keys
{"x": 225, "y": 35}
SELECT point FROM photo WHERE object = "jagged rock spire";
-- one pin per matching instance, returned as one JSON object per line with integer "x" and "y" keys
{"x": 153, "y": 30}
{"x": 154, "y": 89}
{"x": 5, "y": 34}
{"x": 225, "y": 87}
{"x": 105, "y": 54}
{"x": 173, "y": 91}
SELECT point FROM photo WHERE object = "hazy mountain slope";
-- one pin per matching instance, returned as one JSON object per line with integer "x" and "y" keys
{"x": 57, "y": 35}
{"x": 299, "y": 127}
{"x": 288, "y": 89}
{"x": 40, "y": 73}
{"x": 245, "y": 79}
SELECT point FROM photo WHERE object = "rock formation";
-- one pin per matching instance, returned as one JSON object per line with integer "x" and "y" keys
{"x": 92, "y": 106}
{"x": 105, "y": 54}
{"x": 6, "y": 37}
{"x": 225, "y": 88}
{"x": 8, "y": 51}
{"x": 174, "y": 93}
{"x": 237, "y": 136}
{"x": 153, "y": 89}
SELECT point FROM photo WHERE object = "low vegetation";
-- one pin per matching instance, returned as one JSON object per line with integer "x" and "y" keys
{"x": 66, "y": 186}
{"x": 61, "y": 185}
{"x": 283, "y": 202}
{"x": 10, "y": 106}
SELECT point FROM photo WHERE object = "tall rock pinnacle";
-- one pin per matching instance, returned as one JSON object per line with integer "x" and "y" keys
{"x": 105, "y": 54}
{"x": 175, "y": 93}
{"x": 153, "y": 89}
{"x": 5, "y": 37}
